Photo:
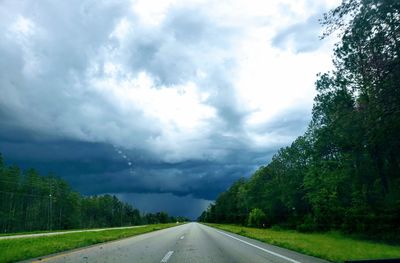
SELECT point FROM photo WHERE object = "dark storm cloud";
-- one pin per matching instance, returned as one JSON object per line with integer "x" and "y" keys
{"x": 48, "y": 77}
{"x": 94, "y": 168}
{"x": 47, "y": 49}
{"x": 176, "y": 205}
{"x": 56, "y": 114}
{"x": 150, "y": 185}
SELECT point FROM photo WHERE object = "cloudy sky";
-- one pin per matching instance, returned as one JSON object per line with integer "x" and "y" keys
{"x": 163, "y": 103}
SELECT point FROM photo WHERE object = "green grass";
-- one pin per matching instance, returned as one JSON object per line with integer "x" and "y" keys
{"x": 331, "y": 246}
{"x": 12, "y": 250}
{"x": 55, "y": 230}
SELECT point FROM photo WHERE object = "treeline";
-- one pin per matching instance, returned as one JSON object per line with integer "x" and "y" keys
{"x": 344, "y": 172}
{"x": 29, "y": 202}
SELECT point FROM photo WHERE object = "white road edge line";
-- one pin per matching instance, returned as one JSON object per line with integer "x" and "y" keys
{"x": 66, "y": 232}
{"x": 263, "y": 249}
{"x": 167, "y": 256}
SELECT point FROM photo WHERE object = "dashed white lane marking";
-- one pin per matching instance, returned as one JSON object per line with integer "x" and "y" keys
{"x": 167, "y": 256}
{"x": 263, "y": 249}
{"x": 182, "y": 237}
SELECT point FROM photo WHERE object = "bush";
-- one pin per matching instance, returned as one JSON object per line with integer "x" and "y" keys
{"x": 308, "y": 225}
{"x": 256, "y": 218}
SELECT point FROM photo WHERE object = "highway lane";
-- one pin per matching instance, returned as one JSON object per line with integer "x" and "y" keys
{"x": 191, "y": 242}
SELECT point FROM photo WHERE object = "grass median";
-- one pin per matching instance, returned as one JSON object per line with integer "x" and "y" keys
{"x": 12, "y": 250}
{"x": 331, "y": 246}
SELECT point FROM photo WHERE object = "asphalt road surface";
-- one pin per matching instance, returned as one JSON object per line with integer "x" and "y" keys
{"x": 191, "y": 242}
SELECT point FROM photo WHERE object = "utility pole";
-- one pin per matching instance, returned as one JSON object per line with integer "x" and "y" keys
{"x": 50, "y": 208}
{"x": 121, "y": 215}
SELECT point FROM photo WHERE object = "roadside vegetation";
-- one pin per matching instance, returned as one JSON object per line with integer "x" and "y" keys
{"x": 65, "y": 230}
{"x": 331, "y": 246}
{"x": 343, "y": 174}
{"x": 32, "y": 202}
{"x": 13, "y": 250}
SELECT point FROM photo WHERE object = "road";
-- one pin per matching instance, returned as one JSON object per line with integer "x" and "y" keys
{"x": 191, "y": 242}
{"x": 65, "y": 232}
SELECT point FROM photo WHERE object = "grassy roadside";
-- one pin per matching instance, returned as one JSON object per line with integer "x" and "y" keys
{"x": 330, "y": 246}
{"x": 63, "y": 230}
{"x": 24, "y": 248}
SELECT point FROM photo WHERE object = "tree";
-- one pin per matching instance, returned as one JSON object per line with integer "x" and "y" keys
{"x": 30, "y": 201}
{"x": 344, "y": 172}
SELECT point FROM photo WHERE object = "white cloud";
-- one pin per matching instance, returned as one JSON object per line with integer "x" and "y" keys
{"x": 151, "y": 12}
{"x": 170, "y": 76}
{"x": 122, "y": 29}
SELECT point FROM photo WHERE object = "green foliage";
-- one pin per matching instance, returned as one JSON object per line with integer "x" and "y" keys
{"x": 31, "y": 202}
{"x": 331, "y": 246}
{"x": 256, "y": 218}
{"x": 344, "y": 172}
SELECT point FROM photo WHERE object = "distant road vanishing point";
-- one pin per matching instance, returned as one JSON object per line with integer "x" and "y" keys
{"x": 190, "y": 242}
